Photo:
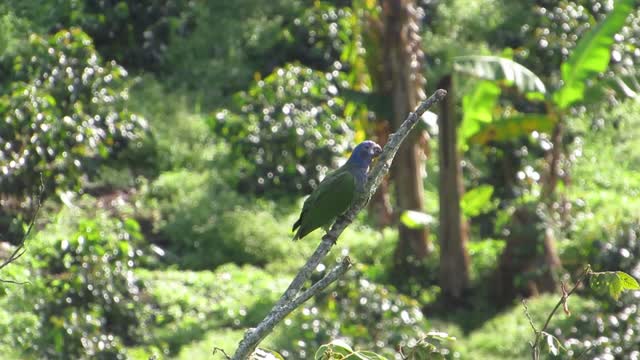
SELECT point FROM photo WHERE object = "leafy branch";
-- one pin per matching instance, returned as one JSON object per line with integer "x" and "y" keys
{"x": 613, "y": 282}
{"x": 292, "y": 297}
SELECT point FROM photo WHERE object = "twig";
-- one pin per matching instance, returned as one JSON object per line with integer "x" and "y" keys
{"x": 20, "y": 250}
{"x": 526, "y": 313}
{"x": 563, "y": 300}
{"x": 216, "y": 349}
{"x": 288, "y": 302}
{"x": 585, "y": 352}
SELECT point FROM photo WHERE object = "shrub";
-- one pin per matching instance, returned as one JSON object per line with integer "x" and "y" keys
{"x": 134, "y": 33}
{"x": 248, "y": 36}
{"x": 63, "y": 111}
{"x": 364, "y": 314}
{"x": 205, "y": 223}
{"x": 82, "y": 299}
{"x": 181, "y": 136}
{"x": 288, "y": 129}
{"x": 193, "y": 303}
{"x": 609, "y": 331}
{"x": 507, "y": 335}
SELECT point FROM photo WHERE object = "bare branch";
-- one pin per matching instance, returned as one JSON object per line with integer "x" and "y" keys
{"x": 526, "y": 313}
{"x": 290, "y": 299}
{"x": 535, "y": 347}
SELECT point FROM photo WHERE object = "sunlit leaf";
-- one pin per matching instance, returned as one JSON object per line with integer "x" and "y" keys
{"x": 336, "y": 346}
{"x": 591, "y": 55}
{"x": 513, "y": 127}
{"x": 613, "y": 282}
{"x": 477, "y": 201}
{"x": 266, "y": 354}
{"x": 439, "y": 335}
{"x": 497, "y": 68}
{"x": 478, "y": 107}
{"x": 416, "y": 219}
{"x": 628, "y": 281}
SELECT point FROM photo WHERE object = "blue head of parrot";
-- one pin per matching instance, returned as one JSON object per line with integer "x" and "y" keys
{"x": 364, "y": 153}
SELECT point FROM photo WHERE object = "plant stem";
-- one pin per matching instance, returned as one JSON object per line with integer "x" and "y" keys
{"x": 536, "y": 344}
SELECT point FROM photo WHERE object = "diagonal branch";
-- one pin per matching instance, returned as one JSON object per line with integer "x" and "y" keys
{"x": 20, "y": 250}
{"x": 290, "y": 300}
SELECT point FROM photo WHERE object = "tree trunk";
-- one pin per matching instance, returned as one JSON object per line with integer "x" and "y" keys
{"x": 529, "y": 263}
{"x": 454, "y": 258}
{"x": 403, "y": 82}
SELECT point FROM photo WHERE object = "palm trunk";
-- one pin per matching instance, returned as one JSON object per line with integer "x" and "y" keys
{"x": 403, "y": 82}
{"x": 454, "y": 258}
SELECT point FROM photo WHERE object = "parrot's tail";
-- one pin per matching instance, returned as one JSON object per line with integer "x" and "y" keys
{"x": 296, "y": 225}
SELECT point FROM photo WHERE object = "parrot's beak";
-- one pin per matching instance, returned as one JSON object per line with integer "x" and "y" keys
{"x": 376, "y": 150}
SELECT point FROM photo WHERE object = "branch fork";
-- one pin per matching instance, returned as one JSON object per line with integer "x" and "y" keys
{"x": 293, "y": 297}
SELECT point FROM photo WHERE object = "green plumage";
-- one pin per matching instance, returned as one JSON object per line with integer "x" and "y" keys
{"x": 333, "y": 197}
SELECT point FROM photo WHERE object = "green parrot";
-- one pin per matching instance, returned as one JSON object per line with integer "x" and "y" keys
{"x": 336, "y": 191}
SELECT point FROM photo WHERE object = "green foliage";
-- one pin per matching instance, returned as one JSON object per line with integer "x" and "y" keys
{"x": 364, "y": 314}
{"x": 507, "y": 335}
{"x": 134, "y": 33}
{"x": 181, "y": 137}
{"x": 288, "y": 129}
{"x": 477, "y": 201}
{"x": 421, "y": 349}
{"x": 248, "y": 36}
{"x": 416, "y": 219}
{"x": 203, "y": 233}
{"x": 338, "y": 349}
{"x": 613, "y": 282}
{"x": 479, "y": 107}
{"x": 591, "y": 55}
{"x": 14, "y": 31}
{"x": 189, "y": 304}
{"x": 604, "y": 209}
{"x": 513, "y": 127}
{"x": 64, "y": 112}
{"x": 82, "y": 298}
{"x": 193, "y": 209}
{"x": 223, "y": 338}
{"x": 608, "y": 329}
{"x": 502, "y": 70}
{"x": 484, "y": 256}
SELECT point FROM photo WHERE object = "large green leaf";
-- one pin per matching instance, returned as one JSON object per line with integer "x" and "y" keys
{"x": 416, "y": 219}
{"x": 496, "y": 68}
{"x": 477, "y": 201}
{"x": 477, "y": 110}
{"x": 512, "y": 127}
{"x": 591, "y": 55}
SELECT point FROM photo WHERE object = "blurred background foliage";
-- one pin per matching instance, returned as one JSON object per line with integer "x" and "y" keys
{"x": 175, "y": 140}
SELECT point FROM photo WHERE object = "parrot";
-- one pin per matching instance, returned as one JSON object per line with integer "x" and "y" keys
{"x": 336, "y": 191}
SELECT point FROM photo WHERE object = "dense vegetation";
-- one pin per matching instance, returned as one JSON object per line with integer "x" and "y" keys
{"x": 166, "y": 147}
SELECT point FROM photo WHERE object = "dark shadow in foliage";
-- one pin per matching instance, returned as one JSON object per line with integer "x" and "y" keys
{"x": 529, "y": 264}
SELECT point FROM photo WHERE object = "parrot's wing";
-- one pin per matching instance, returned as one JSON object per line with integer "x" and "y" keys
{"x": 332, "y": 197}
